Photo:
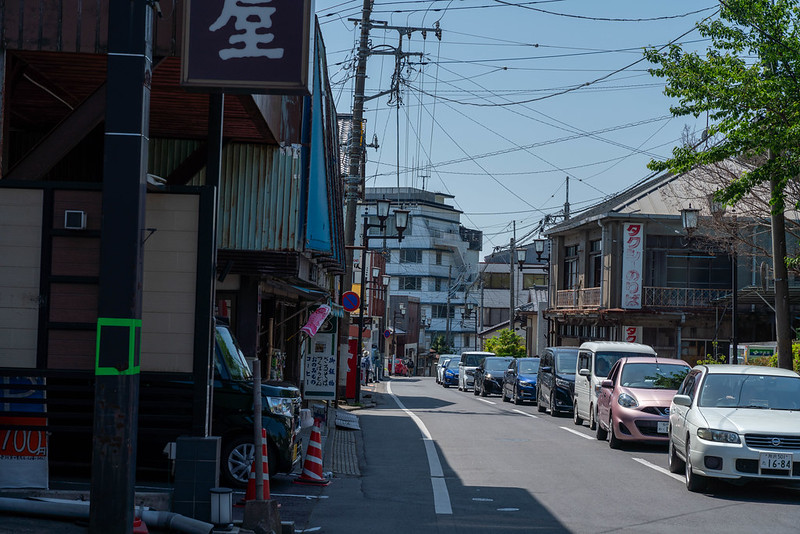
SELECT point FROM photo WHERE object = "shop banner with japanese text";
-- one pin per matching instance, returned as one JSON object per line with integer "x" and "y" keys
{"x": 632, "y": 252}
{"x": 23, "y": 452}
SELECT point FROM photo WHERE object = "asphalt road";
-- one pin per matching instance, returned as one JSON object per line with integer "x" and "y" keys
{"x": 507, "y": 468}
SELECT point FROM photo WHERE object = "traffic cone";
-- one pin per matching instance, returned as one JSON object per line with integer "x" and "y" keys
{"x": 312, "y": 468}
{"x": 250, "y": 495}
{"x": 139, "y": 526}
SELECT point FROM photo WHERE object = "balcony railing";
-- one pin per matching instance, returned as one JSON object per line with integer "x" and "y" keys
{"x": 682, "y": 297}
{"x": 579, "y": 298}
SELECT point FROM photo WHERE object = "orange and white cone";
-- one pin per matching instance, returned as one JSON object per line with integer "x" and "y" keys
{"x": 312, "y": 467}
{"x": 250, "y": 495}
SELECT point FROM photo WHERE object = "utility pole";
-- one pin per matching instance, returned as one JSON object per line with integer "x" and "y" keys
{"x": 119, "y": 321}
{"x": 354, "y": 181}
{"x": 449, "y": 289}
{"x": 566, "y": 202}
{"x": 513, "y": 297}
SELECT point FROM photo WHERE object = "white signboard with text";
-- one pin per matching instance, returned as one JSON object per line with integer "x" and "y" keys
{"x": 632, "y": 252}
{"x": 320, "y": 363}
{"x": 633, "y": 334}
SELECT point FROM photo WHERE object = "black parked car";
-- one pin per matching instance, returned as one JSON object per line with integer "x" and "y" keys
{"x": 519, "y": 383}
{"x": 489, "y": 375}
{"x": 555, "y": 382}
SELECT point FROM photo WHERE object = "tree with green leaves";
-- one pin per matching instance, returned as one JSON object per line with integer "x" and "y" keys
{"x": 440, "y": 346}
{"x": 747, "y": 84}
{"x": 506, "y": 343}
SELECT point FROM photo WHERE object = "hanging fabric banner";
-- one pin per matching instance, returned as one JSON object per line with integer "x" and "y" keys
{"x": 316, "y": 319}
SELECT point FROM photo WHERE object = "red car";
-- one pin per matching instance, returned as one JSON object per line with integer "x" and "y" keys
{"x": 400, "y": 368}
{"x": 633, "y": 402}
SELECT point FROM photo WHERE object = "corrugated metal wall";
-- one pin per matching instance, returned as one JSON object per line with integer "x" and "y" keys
{"x": 260, "y": 192}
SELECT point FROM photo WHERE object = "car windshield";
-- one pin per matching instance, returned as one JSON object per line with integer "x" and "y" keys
{"x": 496, "y": 365}
{"x": 451, "y": 364}
{"x": 603, "y": 361}
{"x": 565, "y": 362}
{"x": 528, "y": 367}
{"x": 231, "y": 355}
{"x": 472, "y": 360}
{"x": 750, "y": 391}
{"x": 653, "y": 375}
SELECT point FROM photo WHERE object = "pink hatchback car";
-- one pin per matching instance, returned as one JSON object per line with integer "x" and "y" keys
{"x": 633, "y": 403}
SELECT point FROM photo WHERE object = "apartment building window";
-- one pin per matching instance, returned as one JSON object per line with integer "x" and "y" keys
{"x": 495, "y": 281}
{"x": 410, "y": 283}
{"x": 571, "y": 267}
{"x": 595, "y": 263}
{"x": 438, "y": 258}
{"x": 698, "y": 271}
{"x": 439, "y": 311}
{"x": 410, "y": 256}
{"x": 493, "y": 316}
{"x": 439, "y": 284}
{"x": 467, "y": 340}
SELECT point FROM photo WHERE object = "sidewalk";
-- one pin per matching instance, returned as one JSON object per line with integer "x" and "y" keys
{"x": 341, "y": 438}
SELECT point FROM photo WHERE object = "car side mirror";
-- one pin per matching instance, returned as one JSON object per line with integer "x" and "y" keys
{"x": 546, "y": 369}
{"x": 584, "y": 372}
{"x": 607, "y": 384}
{"x": 682, "y": 400}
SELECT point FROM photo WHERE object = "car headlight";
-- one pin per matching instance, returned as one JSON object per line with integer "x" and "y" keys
{"x": 718, "y": 435}
{"x": 526, "y": 383}
{"x": 562, "y": 383}
{"x": 628, "y": 401}
{"x": 489, "y": 375}
{"x": 279, "y": 405}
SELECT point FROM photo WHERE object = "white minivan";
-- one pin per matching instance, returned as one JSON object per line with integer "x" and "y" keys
{"x": 595, "y": 359}
{"x": 466, "y": 367}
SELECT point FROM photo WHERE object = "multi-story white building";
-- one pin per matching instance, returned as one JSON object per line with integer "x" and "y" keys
{"x": 436, "y": 262}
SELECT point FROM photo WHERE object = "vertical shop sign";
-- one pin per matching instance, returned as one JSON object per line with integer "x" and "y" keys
{"x": 254, "y": 46}
{"x": 632, "y": 251}
{"x": 23, "y": 453}
{"x": 320, "y": 363}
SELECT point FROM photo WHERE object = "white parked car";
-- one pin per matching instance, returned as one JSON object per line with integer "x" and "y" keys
{"x": 735, "y": 422}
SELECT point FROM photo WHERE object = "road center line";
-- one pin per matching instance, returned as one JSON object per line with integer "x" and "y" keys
{"x": 441, "y": 497}
{"x": 659, "y": 469}
{"x": 581, "y": 434}
{"x": 525, "y": 414}
{"x": 487, "y": 401}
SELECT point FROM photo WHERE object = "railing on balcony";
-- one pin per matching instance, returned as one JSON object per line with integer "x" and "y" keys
{"x": 682, "y": 297}
{"x": 579, "y": 298}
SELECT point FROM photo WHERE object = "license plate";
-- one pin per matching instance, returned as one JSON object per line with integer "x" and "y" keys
{"x": 663, "y": 427}
{"x": 774, "y": 460}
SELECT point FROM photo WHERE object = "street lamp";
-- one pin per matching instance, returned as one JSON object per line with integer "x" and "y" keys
{"x": 689, "y": 219}
{"x": 521, "y": 255}
{"x": 538, "y": 247}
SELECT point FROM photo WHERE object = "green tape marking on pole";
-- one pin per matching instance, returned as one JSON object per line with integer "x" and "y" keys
{"x": 111, "y": 325}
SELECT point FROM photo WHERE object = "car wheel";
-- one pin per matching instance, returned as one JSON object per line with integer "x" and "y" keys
{"x": 237, "y": 457}
{"x": 675, "y": 464}
{"x": 517, "y": 399}
{"x": 552, "y": 405}
{"x": 577, "y": 419}
{"x": 613, "y": 441}
{"x": 540, "y": 407}
{"x": 592, "y": 418}
{"x": 600, "y": 433}
{"x": 445, "y": 384}
{"x": 694, "y": 482}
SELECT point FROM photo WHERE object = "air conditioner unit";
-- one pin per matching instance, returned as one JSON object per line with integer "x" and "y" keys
{"x": 74, "y": 220}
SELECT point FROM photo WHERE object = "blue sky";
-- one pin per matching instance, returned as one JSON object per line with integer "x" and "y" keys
{"x": 514, "y": 98}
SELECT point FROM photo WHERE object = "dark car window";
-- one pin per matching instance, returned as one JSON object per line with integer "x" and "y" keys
{"x": 528, "y": 367}
{"x": 614, "y": 372}
{"x": 688, "y": 386}
{"x": 565, "y": 362}
{"x": 471, "y": 360}
{"x": 491, "y": 364}
{"x": 232, "y": 355}
{"x": 653, "y": 375}
{"x": 604, "y": 360}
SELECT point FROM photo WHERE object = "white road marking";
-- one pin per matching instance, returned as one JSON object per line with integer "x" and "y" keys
{"x": 525, "y": 414}
{"x": 482, "y": 499}
{"x": 312, "y": 529}
{"x": 309, "y": 497}
{"x": 659, "y": 469}
{"x": 508, "y": 509}
{"x": 441, "y": 497}
{"x": 487, "y": 401}
{"x": 581, "y": 434}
